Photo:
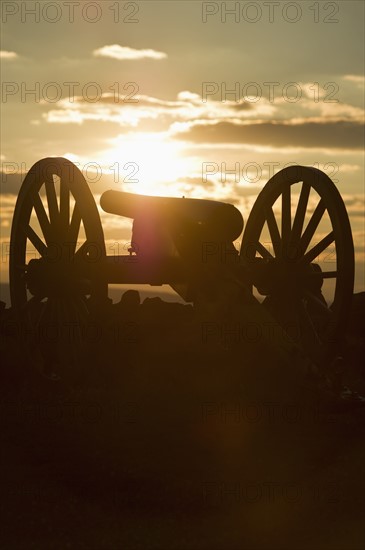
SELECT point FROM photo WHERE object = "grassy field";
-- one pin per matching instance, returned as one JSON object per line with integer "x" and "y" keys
{"x": 159, "y": 439}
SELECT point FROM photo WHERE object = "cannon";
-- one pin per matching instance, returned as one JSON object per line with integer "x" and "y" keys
{"x": 298, "y": 217}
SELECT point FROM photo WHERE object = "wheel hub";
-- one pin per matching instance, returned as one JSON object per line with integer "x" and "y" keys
{"x": 277, "y": 276}
{"x": 45, "y": 278}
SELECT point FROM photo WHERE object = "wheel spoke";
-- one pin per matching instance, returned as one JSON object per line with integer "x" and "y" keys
{"x": 82, "y": 250}
{"x": 52, "y": 201}
{"x": 81, "y": 311}
{"x": 321, "y": 275}
{"x": 74, "y": 228}
{"x": 79, "y": 323}
{"x": 41, "y": 315}
{"x": 308, "y": 328}
{"x": 312, "y": 226}
{"x": 285, "y": 219}
{"x": 264, "y": 251}
{"x": 300, "y": 213}
{"x": 36, "y": 241}
{"x": 274, "y": 231}
{"x": 42, "y": 218}
{"x": 64, "y": 206}
{"x": 318, "y": 303}
{"x": 318, "y": 248}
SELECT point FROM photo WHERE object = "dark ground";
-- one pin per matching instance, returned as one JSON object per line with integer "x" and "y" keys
{"x": 158, "y": 438}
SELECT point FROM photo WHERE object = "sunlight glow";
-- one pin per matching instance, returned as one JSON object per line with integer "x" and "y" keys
{"x": 147, "y": 163}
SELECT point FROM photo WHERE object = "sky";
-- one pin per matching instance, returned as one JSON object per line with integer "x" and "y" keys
{"x": 201, "y": 99}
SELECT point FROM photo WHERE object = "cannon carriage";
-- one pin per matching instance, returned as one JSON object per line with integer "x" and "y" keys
{"x": 189, "y": 245}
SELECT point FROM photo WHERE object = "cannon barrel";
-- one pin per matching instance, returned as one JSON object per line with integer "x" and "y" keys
{"x": 217, "y": 219}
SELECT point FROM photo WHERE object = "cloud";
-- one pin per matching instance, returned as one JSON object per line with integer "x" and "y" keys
{"x": 355, "y": 205}
{"x": 124, "y": 53}
{"x": 185, "y": 101}
{"x": 119, "y": 110}
{"x": 349, "y": 168}
{"x": 4, "y": 54}
{"x": 335, "y": 110}
{"x": 10, "y": 183}
{"x": 342, "y": 134}
{"x": 357, "y": 79}
{"x": 188, "y": 117}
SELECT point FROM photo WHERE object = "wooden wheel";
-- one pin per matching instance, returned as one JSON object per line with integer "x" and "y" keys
{"x": 298, "y": 249}
{"x": 57, "y": 245}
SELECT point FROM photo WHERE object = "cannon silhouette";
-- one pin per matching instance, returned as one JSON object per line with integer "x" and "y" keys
{"x": 189, "y": 244}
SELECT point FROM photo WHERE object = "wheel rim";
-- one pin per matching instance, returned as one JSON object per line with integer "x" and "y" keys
{"x": 57, "y": 222}
{"x": 309, "y": 251}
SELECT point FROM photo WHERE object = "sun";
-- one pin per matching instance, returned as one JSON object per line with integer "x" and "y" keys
{"x": 147, "y": 163}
